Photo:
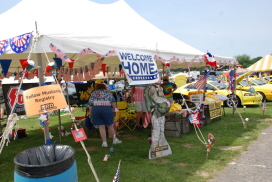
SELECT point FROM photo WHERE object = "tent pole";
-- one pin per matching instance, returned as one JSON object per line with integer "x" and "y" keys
{"x": 41, "y": 81}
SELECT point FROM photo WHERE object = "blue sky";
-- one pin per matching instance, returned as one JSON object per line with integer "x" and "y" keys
{"x": 222, "y": 27}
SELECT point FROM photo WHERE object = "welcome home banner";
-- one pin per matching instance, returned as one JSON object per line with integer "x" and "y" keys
{"x": 140, "y": 67}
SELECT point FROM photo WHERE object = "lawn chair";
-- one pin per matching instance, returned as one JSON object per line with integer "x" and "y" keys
{"x": 126, "y": 116}
{"x": 87, "y": 122}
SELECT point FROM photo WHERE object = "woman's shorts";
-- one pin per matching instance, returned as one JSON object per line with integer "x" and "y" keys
{"x": 102, "y": 115}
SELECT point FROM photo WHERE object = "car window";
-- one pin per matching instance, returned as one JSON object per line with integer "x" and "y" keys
{"x": 258, "y": 82}
{"x": 219, "y": 85}
{"x": 191, "y": 86}
{"x": 244, "y": 83}
{"x": 210, "y": 87}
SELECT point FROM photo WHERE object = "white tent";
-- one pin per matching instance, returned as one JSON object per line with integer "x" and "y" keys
{"x": 73, "y": 25}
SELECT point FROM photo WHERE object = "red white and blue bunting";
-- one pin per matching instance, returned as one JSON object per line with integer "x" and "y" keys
{"x": 21, "y": 42}
{"x": 3, "y": 46}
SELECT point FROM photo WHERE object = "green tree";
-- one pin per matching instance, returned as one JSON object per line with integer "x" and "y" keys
{"x": 245, "y": 60}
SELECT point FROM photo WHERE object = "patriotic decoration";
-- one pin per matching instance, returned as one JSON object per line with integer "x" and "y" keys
{"x": 88, "y": 50}
{"x": 209, "y": 59}
{"x": 51, "y": 67}
{"x": 202, "y": 81}
{"x": 231, "y": 81}
{"x": 59, "y": 53}
{"x": 211, "y": 141}
{"x": 28, "y": 64}
{"x": 3, "y": 46}
{"x": 117, "y": 175}
{"x": 260, "y": 75}
{"x": 21, "y": 42}
{"x": 147, "y": 119}
{"x": 264, "y": 105}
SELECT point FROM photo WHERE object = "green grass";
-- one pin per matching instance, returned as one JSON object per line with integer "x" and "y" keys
{"x": 187, "y": 163}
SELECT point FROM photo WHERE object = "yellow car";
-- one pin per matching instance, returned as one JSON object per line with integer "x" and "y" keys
{"x": 264, "y": 89}
{"x": 243, "y": 97}
{"x": 268, "y": 79}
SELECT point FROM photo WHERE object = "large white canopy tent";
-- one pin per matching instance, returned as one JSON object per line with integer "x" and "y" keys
{"x": 73, "y": 25}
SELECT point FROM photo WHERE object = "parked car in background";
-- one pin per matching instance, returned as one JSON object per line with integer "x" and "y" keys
{"x": 72, "y": 95}
{"x": 264, "y": 89}
{"x": 243, "y": 97}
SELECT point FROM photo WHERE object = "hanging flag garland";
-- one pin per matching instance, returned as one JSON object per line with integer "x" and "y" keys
{"x": 3, "y": 46}
{"x": 59, "y": 53}
{"x": 21, "y": 42}
{"x": 88, "y": 50}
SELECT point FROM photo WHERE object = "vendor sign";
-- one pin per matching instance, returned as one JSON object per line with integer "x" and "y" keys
{"x": 43, "y": 99}
{"x": 139, "y": 67}
{"x": 215, "y": 109}
{"x": 10, "y": 91}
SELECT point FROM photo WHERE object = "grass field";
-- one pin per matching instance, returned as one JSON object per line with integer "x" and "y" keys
{"x": 187, "y": 163}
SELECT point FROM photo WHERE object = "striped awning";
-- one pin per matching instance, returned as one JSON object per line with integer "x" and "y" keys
{"x": 264, "y": 64}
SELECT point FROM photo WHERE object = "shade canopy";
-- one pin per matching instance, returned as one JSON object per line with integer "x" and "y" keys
{"x": 264, "y": 64}
{"x": 73, "y": 25}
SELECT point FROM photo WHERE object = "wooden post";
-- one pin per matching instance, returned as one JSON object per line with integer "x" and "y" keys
{"x": 41, "y": 81}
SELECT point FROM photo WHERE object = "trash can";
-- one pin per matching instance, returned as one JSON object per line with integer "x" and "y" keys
{"x": 45, "y": 163}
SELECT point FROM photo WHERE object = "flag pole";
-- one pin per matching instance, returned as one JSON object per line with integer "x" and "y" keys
{"x": 234, "y": 91}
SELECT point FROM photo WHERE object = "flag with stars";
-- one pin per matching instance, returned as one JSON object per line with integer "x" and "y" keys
{"x": 3, "y": 46}
{"x": 117, "y": 175}
{"x": 59, "y": 53}
{"x": 21, "y": 42}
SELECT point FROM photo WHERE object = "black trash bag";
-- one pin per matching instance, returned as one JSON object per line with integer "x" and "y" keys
{"x": 44, "y": 161}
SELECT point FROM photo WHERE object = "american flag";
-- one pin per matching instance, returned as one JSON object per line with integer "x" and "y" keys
{"x": 117, "y": 175}
{"x": 264, "y": 104}
{"x": 202, "y": 81}
{"x": 260, "y": 75}
{"x": 247, "y": 79}
{"x": 147, "y": 119}
{"x": 194, "y": 120}
{"x": 59, "y": 53}
{"x": 231, "y": 80}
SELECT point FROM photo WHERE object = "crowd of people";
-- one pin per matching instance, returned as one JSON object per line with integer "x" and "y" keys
{"x": 102, "y": 105}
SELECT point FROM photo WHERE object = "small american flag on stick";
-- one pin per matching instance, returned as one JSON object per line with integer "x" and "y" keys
{"x": 117, "y": 175}
{"x": 202, "y": 81}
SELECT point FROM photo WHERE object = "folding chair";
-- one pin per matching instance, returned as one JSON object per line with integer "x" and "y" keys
{"x": 125, "y": 117}
{"x": 86, "y": 120}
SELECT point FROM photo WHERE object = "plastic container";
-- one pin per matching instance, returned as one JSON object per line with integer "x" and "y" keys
{"x": 45, "y": 163}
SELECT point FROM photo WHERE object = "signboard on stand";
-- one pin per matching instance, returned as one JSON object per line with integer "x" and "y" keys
{"x": 10, "y": 91}
{"x": 215, "y": 109}
{"x": 44, "y": 99}
{"x": 140, "y": 67}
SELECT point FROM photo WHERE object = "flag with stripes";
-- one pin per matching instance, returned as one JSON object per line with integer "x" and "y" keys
{"x": 264, "y": 104}
{"x": 147, "y": 119}
{"x": 202, "y": 81}
{"x": 59, "y": 53}
{"x": 117, "y": 175}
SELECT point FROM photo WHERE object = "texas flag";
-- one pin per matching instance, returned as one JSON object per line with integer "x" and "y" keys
{"x": 209, "y": 58}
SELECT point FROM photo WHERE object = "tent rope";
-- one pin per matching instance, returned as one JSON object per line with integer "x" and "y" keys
{"x": 12, "y": 119}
